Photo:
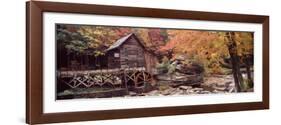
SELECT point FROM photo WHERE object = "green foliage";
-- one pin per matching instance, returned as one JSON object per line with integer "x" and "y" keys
{"x": 246, "y": 84}
{"x": 76, "y": 46}
{"x": 73, "y": 42}
{"x": 171, "y": 68}
{"x": 164, "y": 66}
{"x": 99, "y": 38}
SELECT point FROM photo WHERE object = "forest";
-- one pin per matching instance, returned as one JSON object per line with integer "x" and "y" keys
{"x": 186, "y": 61}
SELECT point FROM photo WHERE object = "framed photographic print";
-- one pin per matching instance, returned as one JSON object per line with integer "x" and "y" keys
{"x": 95, "y": 62}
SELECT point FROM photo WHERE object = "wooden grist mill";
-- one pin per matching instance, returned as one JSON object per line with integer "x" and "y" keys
{"x": 129, "y": 67}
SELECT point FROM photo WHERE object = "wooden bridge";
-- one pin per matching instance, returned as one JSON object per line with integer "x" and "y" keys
{"x": 122, "y": 78}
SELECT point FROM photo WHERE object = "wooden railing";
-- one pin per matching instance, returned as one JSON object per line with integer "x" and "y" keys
{"x": 108, "y": 77}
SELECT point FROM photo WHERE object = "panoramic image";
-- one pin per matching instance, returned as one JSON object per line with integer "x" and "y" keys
{"x": 94, "y": 61}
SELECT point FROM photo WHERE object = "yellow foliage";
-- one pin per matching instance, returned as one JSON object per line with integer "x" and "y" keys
{"x": 209, "y": 47}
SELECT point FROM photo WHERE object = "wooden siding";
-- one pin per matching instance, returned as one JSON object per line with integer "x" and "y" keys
{"x": 150, "y": 62}
{"x": 132, "y": 54}
{"x": 113, "y": 62}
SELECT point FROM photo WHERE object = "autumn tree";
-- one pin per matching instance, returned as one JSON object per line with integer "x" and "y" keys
{"x": 245, "y": 48}
{"x": 70, "y": 40}
{"x": 240, "y": 45}
{"x": 202, "y": 46}
{"x": 100, "y": 38}
{"x": 211, "y": 48}
{"x": 121, "y": 31}
{"x": 233, "y": 52}
{"x": 68, "y": 37}
{"x": 152, "y": 38}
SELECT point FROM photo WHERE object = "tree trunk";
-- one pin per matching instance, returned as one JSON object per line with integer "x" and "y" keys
{"x": 249, "y": 76}
{"x": 248, "y": 65}
{"x": 232, "y": 49}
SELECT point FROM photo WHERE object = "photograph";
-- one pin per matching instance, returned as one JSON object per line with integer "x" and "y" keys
{"x": 90, "y": 61}
{"x": 94, "y": 61}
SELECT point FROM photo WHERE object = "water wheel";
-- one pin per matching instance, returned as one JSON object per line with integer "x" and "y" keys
{"x": 142, "y": 78}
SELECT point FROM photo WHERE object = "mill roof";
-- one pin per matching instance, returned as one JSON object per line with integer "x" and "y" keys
{"x": 119, "y": 42}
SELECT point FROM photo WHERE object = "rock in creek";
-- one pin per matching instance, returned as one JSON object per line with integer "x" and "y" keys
{"x": 185, "y": 87}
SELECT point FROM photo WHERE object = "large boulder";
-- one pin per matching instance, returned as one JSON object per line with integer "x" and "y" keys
{"x": 189, "y": 68}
